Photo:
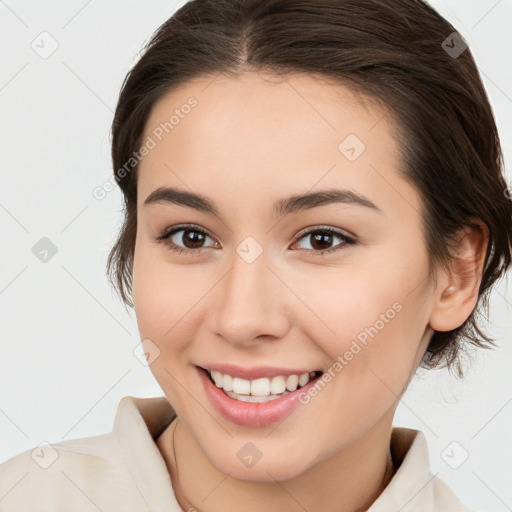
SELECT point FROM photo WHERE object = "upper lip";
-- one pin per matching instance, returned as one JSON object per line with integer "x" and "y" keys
{"x": 256, "y": 372}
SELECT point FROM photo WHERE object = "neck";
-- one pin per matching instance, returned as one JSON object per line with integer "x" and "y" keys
{"x": 350, "y": 480}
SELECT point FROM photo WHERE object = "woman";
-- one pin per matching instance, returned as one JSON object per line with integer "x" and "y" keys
{"x": 315, "y": 207}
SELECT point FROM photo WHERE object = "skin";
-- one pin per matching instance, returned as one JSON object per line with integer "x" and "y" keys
{"x": 250, "y": 141}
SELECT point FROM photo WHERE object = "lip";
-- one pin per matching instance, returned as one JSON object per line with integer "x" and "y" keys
{"x": 257, "y": 372}
{"x": 249, "y": 414}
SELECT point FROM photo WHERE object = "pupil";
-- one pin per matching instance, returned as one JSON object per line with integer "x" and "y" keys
{"x": 193, "y": 237}
{"x": 321, "y": 238}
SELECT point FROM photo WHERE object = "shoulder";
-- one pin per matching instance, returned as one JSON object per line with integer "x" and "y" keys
{"x": 89, "y": 472}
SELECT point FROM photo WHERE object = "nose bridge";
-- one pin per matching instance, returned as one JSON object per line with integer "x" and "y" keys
{"x": 249, "y": 302}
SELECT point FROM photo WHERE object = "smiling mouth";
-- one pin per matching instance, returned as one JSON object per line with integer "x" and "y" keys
{"x": 262, "y": 389}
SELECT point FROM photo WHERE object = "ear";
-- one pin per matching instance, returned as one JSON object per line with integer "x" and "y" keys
{"x": 457, "y": 292}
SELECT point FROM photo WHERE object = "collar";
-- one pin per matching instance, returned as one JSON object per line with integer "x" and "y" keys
{"x": 138, "y": 422}
{"x": 410, "y": 455}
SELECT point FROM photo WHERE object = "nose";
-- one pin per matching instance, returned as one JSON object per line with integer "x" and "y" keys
{"x": 251, "y": 302}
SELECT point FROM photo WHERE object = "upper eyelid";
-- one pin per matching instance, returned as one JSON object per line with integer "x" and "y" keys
{"x": 183, "y": 227}
{"x": 322, "y": 227}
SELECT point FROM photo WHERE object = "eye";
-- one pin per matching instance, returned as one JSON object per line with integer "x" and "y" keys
{"x": 323, "y": 235}
{"x": 192, "y": 236}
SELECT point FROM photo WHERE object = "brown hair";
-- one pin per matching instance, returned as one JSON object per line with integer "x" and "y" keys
{"x": 393, "y": 51}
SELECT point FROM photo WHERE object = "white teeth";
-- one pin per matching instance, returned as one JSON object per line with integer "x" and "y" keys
{"x": 260, "y": 387}
{"x": 218, "y": 378}
{"x": 263, "y": 387}
{"x": 241, "y": 386}
{"x": 303, "y": 379}
{"x": 227, "y": 382}
{"x": 277, "y": 385}
{"x": 292, "y": 381}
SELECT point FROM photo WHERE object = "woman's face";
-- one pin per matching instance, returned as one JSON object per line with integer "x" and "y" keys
{"x": 251, "y": 287}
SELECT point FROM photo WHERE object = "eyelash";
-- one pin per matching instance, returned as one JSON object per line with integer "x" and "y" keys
{"x": 165, "y": 235}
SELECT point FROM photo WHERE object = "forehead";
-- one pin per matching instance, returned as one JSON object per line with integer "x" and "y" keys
{"x": 295, "y": 108}
{"x": 261, "y": 134}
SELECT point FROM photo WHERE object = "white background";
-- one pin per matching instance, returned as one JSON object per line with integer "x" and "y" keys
{"x": 67, "y": 342}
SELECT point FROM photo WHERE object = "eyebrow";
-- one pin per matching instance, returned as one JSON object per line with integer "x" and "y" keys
{"x": 282, "y": 207}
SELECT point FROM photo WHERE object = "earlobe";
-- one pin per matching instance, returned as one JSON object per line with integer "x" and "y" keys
{"x": 457, "y": 294}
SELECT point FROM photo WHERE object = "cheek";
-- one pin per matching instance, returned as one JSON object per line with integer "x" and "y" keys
{"x": 166, "y": 299}
{"x": 373, "y": 321}
{"x": 155, "y": 293}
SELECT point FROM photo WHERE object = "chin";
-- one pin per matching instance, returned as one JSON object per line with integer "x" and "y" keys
{"x": 264, "y": 472}
{"x": 278, "y": 467}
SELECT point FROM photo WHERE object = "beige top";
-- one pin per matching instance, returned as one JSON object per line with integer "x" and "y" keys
{"x": 124, "y": 470}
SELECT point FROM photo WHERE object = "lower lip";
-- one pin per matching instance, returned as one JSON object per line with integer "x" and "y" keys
{"x": 250, "y": 414}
